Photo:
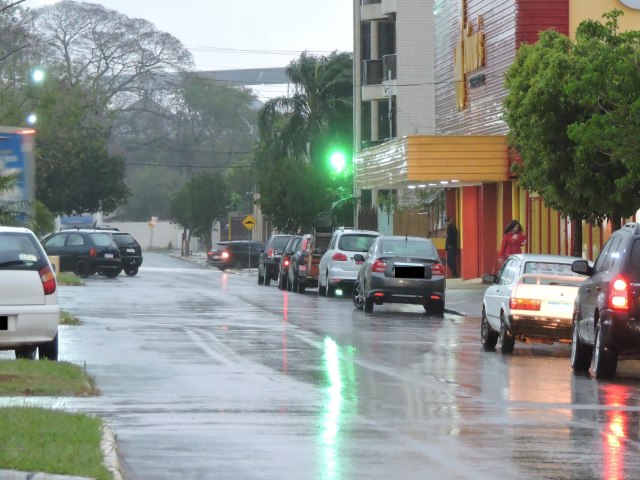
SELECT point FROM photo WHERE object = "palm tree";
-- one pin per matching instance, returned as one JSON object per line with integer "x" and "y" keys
{"x": 319, "y": 113}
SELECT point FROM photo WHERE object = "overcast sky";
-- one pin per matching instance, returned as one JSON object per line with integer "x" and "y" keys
{"x": 231, "y": 34}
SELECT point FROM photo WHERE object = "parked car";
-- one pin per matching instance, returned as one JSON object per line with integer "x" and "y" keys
{"x": 85, "y": 252}
{"x": 130, "y": 252}
{"x": 285, "y": 261}
{"x": 606, "y": 322}
{"x": 304, "y": 265}
{"x": 338, "y": 269}
{"x": 29, "y": 311}
{"x": 530, "y": 300}
{"x": 269, "y": 261}
{"x": 235, "y": 254}
{"x": 400, "y": 269}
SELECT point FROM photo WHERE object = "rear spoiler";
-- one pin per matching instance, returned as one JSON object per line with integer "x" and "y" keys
{"x": 547, "y": 279}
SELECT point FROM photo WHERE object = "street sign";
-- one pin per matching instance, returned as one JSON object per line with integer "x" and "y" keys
{"x": 249, "y": 222}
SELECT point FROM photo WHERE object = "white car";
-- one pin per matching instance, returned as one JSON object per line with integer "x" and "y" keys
{"x": 338, "y": 269}
{"x": 29, "y": 311}
{"x": 531, "y": 299}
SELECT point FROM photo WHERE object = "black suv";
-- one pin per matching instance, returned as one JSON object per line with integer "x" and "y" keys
{"x": 130, "y": 252}
{"x": 269, "y": 261}
{"x": 235, "y": 254}
{"x": 606, "y": 318}
{"x": 84, "y": 252}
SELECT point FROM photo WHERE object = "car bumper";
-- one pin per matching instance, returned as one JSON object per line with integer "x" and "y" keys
{"x": 621, "y": 334}
{"x": 527, "y": 326}
{"x": 339, "y": 277}
{"x": 405, "y": 290}
{"x": 28, "y": 325}
{"x": 130, "y": 262}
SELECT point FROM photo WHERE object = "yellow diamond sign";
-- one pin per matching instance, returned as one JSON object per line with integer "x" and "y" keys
{"x": 249, "y": 222}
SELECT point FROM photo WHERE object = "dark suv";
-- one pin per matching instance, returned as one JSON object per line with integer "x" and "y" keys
{"x": 84, "y": 252}
{"x": 130, "y": 252}
{"x": 235, "y": 254}
{"x": 607, "y": 314}
{"x": 269, "y": 261}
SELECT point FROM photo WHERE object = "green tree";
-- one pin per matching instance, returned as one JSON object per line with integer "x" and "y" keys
{"x": 10, "y": 210}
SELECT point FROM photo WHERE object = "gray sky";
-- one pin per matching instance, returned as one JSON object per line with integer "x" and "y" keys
{"x": 228, "y": 34}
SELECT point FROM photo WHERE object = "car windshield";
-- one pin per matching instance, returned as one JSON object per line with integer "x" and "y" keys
{"x": 102, "y": 239}
{"x": 124, "y": 239}
{"x": 356, "y": 243}
{"x": 550, "y": 268}
{"x": 279, "y": 243}
{"x": 408, "y": 248}
{"x": 18, "y": 251}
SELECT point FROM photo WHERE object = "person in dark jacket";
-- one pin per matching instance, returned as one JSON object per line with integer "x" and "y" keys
{"x": 451, "y": 247}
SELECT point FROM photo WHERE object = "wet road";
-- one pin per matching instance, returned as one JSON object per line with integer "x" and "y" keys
{"x": 206, "y": 375}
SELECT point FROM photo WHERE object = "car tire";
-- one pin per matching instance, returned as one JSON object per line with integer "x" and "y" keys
{"x": 356, "y": 297}
{"x": 131, "y": 272}
{"x": 49, "y": 350}
{"x": 301, "y": 286}
{"x": 294, "y": 286}
{"x": 506, "y": 339}
{"x": 488, "y": 336}
{"x": 329, "y": 291}
{"x": 82, "y": 269}
{"x": 581, "y": 354}
{"x": 260, "y": 278}
{"x": 267, "y": 279}
{"x": 435, "y": 308}
{"x": 368, "y": 305}
{"x": 111, "y": 273}
{"x": 26, "y": 353}
{"x": 322, "y": 290}
{"x": 605, "y": 361}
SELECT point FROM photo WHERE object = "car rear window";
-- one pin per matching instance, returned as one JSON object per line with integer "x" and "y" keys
{"x": 102, "y": 239}
{"x": 124, "y": 239}
{"x": 409, "y": 248}
{"x": 279, "y": 242}
{"x": 20, "y": 251}
{"x": 356, "y": 243}
{"x": 550, "y": 268}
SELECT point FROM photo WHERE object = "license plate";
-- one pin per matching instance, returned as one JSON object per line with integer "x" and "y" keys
{"x": 131, "y": 250}
{"x": 566, "y": 308}
{"x": 108, "y": 255}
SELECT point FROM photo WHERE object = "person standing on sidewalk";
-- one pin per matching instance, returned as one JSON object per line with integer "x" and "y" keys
{"x": 451, "y": 247}
{"x": 512, "y": 241}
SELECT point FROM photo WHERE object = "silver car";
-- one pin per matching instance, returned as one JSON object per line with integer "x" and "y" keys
{"x": 29, "y": 312}
{"x": 338, "y": 268}
{"x": 400, "y": 269}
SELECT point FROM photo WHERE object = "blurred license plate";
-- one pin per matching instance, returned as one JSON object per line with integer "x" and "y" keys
{"x": 131, "y": 250}
{"x": 108, "y": 255}
{"x": 557, "y": 307}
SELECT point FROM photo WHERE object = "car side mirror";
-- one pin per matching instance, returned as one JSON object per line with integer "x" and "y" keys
{"x": 489, "y": 278}
{"x": 581, "y": 267}
{"x": 358, "y": 257}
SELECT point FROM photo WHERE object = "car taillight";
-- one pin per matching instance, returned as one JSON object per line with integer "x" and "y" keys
{"x": 339, "y": 257}
{"x": 93, "y": 252}
{"x": 48, "y": 280}
{"x": 524, "y": 304}
{"x": 437, "y": 269}
{"x": 379, "y": 266}
{"x": 224, "y": 255}
{"x": 270, "y": 253}
{"x": 619, "y": 294}
{"x": 286, "y": 262}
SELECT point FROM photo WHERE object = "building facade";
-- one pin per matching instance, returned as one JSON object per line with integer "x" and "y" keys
{"x": 428, "y": 115}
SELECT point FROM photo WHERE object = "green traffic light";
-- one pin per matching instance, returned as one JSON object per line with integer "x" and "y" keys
{"x": 337, "y": 161}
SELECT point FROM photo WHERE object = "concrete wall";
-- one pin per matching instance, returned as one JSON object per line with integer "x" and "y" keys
{"x": 163, "y": 233}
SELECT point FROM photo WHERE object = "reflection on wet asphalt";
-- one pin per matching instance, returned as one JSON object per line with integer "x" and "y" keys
{"x": 206, "y": 375}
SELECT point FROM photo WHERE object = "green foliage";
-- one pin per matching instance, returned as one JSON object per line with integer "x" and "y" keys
{"x": 571, "y": 110}
{"x": 11, "y": 210}
{"x": 151, "y": 188}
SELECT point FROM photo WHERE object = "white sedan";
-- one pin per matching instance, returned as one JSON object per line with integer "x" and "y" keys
{"x": 29, "y": 312}
{"x": 530, "y": 299}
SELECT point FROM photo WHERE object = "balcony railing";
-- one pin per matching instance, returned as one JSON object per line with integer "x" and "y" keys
{"x": 372, "y": 72}
{"x": 389, "y": 66}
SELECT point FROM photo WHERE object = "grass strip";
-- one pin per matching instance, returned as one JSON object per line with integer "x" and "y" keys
{"x": 67, "y": 318}
{"x": 68, "y": 279}
{"x": 44, "y": 378}
{"x": 45, "y": 440}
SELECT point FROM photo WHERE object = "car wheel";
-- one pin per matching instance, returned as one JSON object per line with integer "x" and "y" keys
{"x": 368, "y": 305}
{"x": 82, "y": 269}
{"x": 507, "y": 340}
{"x": 322, "y": 290}
{"x": 435, "y": 308}
{"x": 356, "y": 297}
{"x": 131, "y": 272}
{"x": 580, "y": 353}
{"x": 27, "y": 353}
{"x": 301, "y": 286}
{"x": 294, "y": 286}
{"x": 260, "y": 278}
{"x": 280, "y": 283}
{"x": 605, "y": 361}
{"x": 267, "y": 279}
{"x": 488, "y": 336}
{"x": 111, "y": 273}
{"x": 329, "y": 291}
{"x": 49, "y": 350}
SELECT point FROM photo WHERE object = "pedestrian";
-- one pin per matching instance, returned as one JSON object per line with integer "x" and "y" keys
{"x": 512, "y": 241}
{"x": 451, "y": 247}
